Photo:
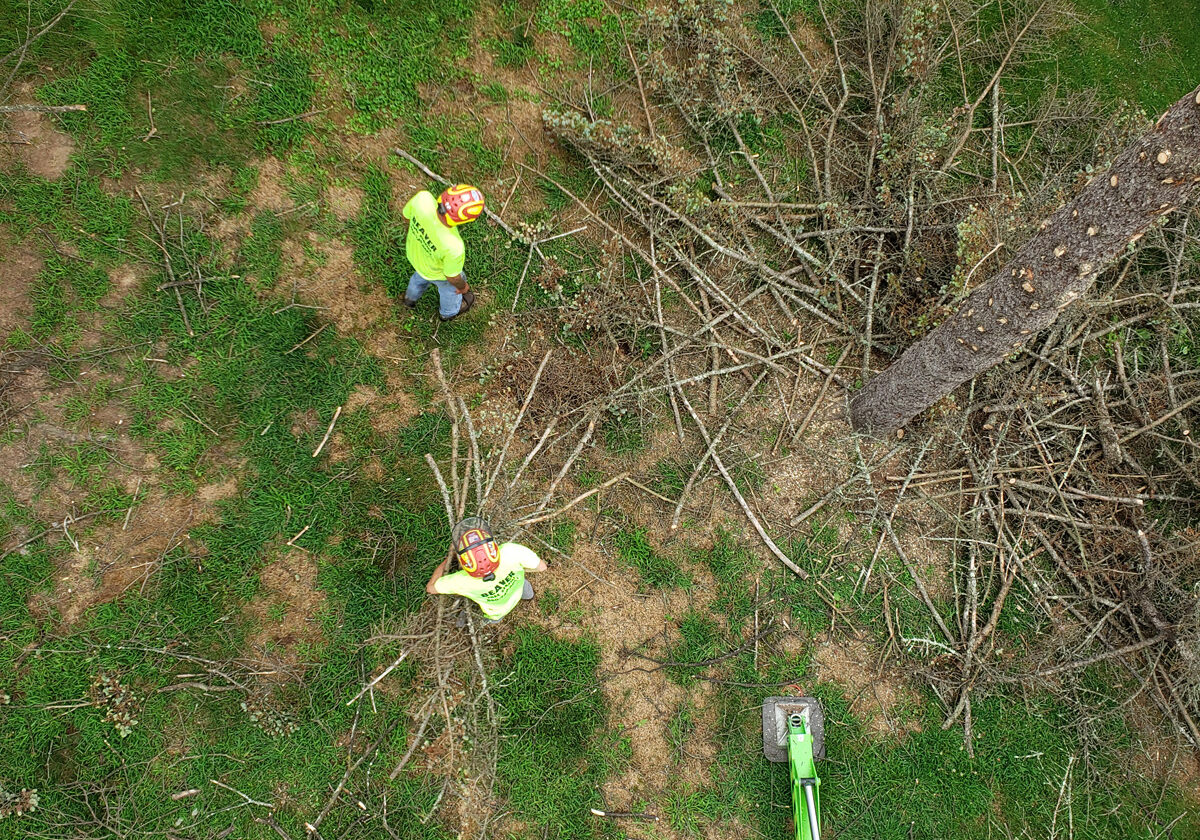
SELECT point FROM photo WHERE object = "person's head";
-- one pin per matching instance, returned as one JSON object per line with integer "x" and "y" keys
{"x": 476, "y": 549}
{"x": 460, "y": 204}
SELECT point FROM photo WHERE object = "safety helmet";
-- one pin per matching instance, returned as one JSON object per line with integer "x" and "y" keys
{"x": 477, "y": 552}
{"x": 460, "y": 204}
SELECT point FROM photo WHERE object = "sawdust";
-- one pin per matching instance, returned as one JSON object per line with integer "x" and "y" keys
{"x": 284, "y": 612}
{"x": 43, "y": 149}
{"x": 879, "y": 697}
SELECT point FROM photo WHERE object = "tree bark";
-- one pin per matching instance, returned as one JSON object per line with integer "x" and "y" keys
{"x": 1050, "y": 272}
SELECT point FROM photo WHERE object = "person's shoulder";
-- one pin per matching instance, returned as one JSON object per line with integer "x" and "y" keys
{"x": 422, "y": 202}
{"x": 454, "y": 583}
{"x": 515, "y": 552}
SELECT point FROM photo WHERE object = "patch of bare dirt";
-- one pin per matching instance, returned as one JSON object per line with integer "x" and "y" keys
{"x": 878, "y": 696}
{"x": 600, "y": 599}
{"x": 43, "y": 149}
{"x": 284, "y": 610}
{"x": 388, "y": 413}
{"x": 124, "y": 280}
{"x": 343, "y": 201}
{"x": 19, "y": 264}
{"x": 356, "y": 308}
{"x": 1160, "y": 756}
{"x": 120, "y": 557}
{"x": 272, "y": 28}
{"x": 270, "y": 193}
{"x": 106, "y": 558}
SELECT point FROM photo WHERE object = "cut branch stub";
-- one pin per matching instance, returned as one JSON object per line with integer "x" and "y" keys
{"x": 1111, "y": 219}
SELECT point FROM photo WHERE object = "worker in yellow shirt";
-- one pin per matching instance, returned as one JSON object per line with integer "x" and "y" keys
{"x": 491, "y": 575}
{"x": 435, "y": 248}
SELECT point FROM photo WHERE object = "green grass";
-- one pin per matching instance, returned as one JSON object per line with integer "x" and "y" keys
{"x": 244, "y": 384}
{"x": 670, "y": 477}
{"x": 553, "y": 753}
{"x": 1134, "y": 49}
{"x": 923, "y": 784}
{"x": 623, "y": 434}
{"x": 731, "y": 564}
{"x": 654, "y": 569}
{"x": 701, "y": 639}
{"x": 220, "y": 89}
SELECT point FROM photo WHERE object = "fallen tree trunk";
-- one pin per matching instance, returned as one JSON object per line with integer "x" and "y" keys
{"x": 1054, "y": 269}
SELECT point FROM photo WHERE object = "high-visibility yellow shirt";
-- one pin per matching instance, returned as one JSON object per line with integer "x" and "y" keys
{"x": 498, "y": 596}
{"x": 435, "y": 250}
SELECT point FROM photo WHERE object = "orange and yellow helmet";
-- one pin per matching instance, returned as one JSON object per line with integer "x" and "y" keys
{"x": 460, "y": 204}
{"x": 477, "y": 552}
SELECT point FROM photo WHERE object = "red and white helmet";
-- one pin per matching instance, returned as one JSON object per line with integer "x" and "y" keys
{"x": 478, "y": 554}
{"x": 460, "y": 204}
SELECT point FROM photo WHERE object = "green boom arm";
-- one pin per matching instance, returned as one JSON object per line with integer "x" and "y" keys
{"x": 806, "y": 802}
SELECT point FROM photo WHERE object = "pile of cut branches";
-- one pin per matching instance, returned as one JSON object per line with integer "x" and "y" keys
{"x": 834, "y": 190}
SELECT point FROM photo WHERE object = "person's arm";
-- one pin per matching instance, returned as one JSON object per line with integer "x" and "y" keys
{"x": 525, "y": 556}
{"x": 452, "y": 266}
{"x": 437, "y": 573}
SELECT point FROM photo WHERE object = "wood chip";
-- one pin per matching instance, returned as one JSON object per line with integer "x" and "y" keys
{"x": 1060, "y": 250}
{"x": 1092, "y": 231}
{"x": 1112, "y": 182}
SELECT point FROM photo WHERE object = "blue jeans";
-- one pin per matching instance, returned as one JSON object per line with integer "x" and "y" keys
{"x": 449, "y": 300}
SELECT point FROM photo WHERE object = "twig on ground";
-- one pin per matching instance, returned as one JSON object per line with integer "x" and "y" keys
{"x": 319, "y": 330}
{"x": 328, "y": 432}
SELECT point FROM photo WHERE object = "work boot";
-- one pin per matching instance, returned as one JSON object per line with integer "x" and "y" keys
{"x": 468, "y": 300}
